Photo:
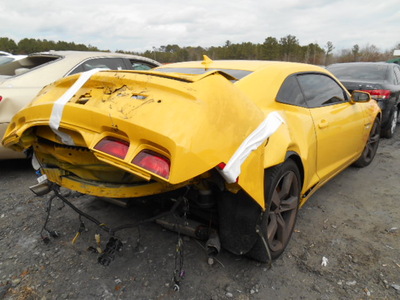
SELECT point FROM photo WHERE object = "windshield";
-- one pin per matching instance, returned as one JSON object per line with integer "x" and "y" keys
{"x": 238, "y": 74}
{"x": 359, "y": 71}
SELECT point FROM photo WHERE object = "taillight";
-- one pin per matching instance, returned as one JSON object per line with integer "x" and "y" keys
{"x": 113, "y": 146}
{"x": 221, "y": 165}
{"x": 378, "y": 94}
{"x": 1, "y": 98}
{"x": 153, "y": 162}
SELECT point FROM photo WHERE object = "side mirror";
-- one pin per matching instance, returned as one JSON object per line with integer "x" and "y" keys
{"x": 359, "y": 96}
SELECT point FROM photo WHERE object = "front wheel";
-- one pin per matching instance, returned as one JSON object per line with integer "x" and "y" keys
{"x": 371, "y": 146}
{"x": 282, "y": 195}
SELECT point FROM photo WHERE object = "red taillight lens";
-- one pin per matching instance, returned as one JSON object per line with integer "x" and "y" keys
{"x": 1, "y": 98}
{"x": 379, "y": 94}
{"x": 113, "y": 146}
{"x": 153, "y": 162}
{"x": 221, "y": 165}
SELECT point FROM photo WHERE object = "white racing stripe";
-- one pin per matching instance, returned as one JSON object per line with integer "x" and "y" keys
{"x": 270, "y": 125}
{"x": 58, "y": 107}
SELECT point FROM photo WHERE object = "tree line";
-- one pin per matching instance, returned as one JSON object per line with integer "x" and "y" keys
{"x": 27, "y": 46}
{"x": 286, "y": 48}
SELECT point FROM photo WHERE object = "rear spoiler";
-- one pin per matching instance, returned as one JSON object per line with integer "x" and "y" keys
{"x": 181, "y": 76}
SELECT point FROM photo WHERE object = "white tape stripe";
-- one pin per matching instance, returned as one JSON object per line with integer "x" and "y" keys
{"x": 58, "y": 107}
{"x": 270, "y": 125}
{"x": 65, "y": 137}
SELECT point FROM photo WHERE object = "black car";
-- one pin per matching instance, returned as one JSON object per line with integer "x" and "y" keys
{"x": 381, "y": 80}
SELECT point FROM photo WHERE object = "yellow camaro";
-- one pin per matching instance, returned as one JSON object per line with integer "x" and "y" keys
{"x": 246, "y": 141}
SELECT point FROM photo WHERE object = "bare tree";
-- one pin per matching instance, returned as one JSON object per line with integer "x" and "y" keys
{"x": 329, "y": 48}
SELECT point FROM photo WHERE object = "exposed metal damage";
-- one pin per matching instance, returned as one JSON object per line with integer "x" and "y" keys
{"x": 175, "y": 219}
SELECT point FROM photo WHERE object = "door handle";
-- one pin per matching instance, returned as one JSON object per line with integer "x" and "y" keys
{"x": 323, "y": 124}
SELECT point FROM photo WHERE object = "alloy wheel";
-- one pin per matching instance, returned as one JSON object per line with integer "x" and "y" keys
{"x": 283, "y": 211}
{"x": 373, "y": 142}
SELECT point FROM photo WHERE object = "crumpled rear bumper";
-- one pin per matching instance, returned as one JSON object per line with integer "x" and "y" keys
{"x": 196, "y": 123}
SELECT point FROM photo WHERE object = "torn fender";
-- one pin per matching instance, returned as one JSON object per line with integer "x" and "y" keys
{"x": 247, "y": 162}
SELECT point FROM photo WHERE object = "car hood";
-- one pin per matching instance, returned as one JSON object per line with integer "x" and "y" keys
{"x": 198, "y": 121}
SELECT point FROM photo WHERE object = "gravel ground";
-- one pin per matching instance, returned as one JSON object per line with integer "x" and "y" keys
{"x": 345, "y": 246}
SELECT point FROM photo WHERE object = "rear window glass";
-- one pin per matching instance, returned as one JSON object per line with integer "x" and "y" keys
{"x": 141, "y": 65}
{"x": 238, "y": 74}
{"x": 359, "y": 72}
{"x": 105, "y": 63}
{"x": 291, "y": 93}
{"x": 5, "y": 60}
{"x": 24, "y": 65}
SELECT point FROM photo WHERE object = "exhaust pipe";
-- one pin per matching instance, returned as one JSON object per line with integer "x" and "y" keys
{"x": 195, "y": 230}
{"x": 213, "y": 244}
{"x": 41, "y": 188}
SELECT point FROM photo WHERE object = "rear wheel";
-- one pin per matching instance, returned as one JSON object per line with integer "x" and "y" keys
{"x": 398, "y": 116}
{"x": 282, "y": 195}
{"x": 371, "y": 147}
{"x": 388, "y": 131}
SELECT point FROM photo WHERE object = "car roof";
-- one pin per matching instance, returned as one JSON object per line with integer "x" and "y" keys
{"x": 247, "y": 65}
{"x": 81, "y": 55}
{"x": 360, "y": 63}
{"x": 61, "y": 63}
{"x": 3, "y": 53}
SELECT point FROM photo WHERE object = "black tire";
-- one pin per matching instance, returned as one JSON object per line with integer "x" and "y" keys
{"x": 282, "y": 197}
{"x": 390, "y": 128}
{"x": 398, "y": 115}
{"x": 371, "y": 146}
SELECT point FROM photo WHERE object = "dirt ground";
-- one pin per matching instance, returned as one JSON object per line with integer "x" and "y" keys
{"x": 345, "y": 246}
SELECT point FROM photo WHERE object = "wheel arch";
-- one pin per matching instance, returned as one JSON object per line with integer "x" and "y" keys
{"x": 297, "y": 160}
{"x": 281, "y": 147}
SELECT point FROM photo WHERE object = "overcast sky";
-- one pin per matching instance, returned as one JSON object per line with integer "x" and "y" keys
{"x": 133, "y": 25}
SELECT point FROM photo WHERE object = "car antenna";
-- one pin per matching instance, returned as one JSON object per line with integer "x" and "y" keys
{"x": 206, "y": 61}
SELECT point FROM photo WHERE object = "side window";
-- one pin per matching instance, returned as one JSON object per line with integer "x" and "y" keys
{"x": 397, "y": 74}
{"x": 320, "y": 90}
{"x": 290, "y": 92}
{"x": 141, "y": 65}
{"x": 101, "y": 63}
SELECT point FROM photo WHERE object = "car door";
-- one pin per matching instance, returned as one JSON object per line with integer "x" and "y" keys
{"x": 338, "y": 124}
{"x": 300, "y": 122}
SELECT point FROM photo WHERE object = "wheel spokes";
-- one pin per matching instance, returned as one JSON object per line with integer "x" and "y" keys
{"x": 272, "y": 227}
{"x": 372, "y": 143}
{"x": 276, "y": 199}
{"x": 275, "y": 229}
{"x": 287, "y": 182}
{"x": 374, "y": 137}
{"x": 282, "y": 212}
{"x": 289, "y": 204}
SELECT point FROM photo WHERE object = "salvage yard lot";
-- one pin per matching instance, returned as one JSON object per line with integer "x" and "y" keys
{"x": 353, "y": 222}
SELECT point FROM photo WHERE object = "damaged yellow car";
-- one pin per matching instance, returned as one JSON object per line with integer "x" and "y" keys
{"x": 247, "y": 142}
